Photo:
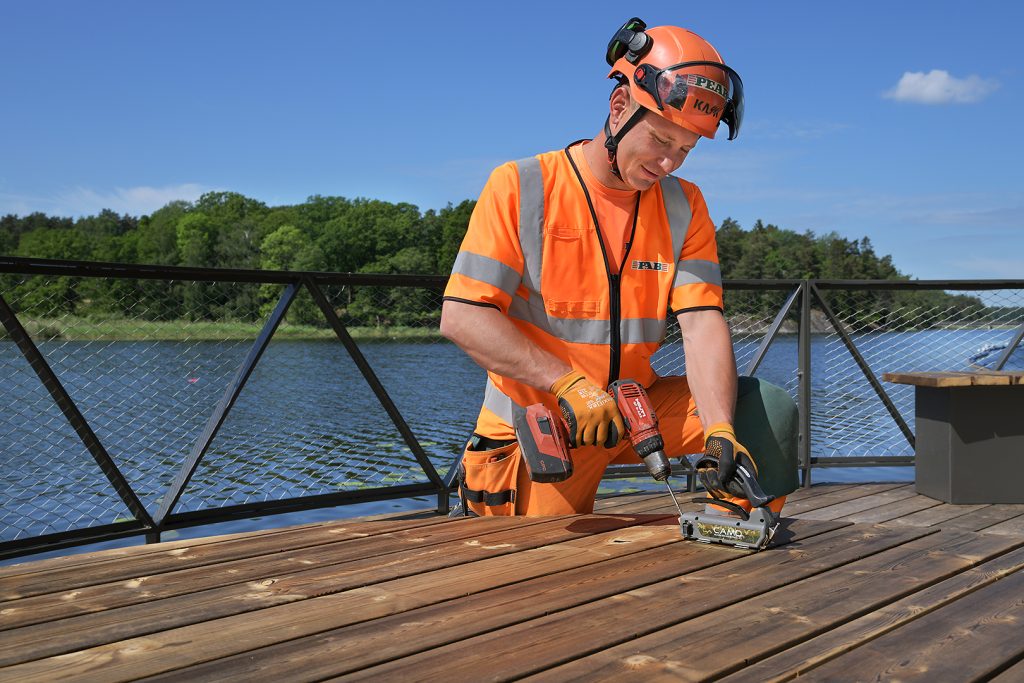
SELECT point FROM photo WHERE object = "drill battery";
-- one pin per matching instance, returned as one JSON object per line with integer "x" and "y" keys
{"x": 543, "y": 443}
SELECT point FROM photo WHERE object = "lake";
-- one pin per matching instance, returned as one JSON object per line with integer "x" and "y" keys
{"x": 308, "y": 424}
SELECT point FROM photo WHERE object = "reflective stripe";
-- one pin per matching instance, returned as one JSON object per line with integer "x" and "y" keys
{"x": 585, "y": 330}
{"x": 677, "y": 207}
{"x": 489, "y": 270}
{"x": 643, "y": 330}
{"x": 531, "y": 220}
{"x": 576, "y": 330}
{"x": 696, "y": 271}
{"x": 497, "y": 402}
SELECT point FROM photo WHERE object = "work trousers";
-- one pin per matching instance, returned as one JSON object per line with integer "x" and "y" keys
{"x": 765, "y": 422}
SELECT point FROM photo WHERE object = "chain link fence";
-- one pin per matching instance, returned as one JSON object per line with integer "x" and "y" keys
{"x": 901, "y": 331}
{"x": 149, "y": 359}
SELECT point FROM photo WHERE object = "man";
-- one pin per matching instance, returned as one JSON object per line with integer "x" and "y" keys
{"x": 572, "y": 261}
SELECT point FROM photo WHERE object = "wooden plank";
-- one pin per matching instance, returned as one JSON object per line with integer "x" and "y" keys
{"x": 955, "y": 379}
{"x": 28, "y": 565}
{"x": 664, "y": 504}
{"x": 417, "y": 629}
{"x": 142, "y": 588}
{"x": 342, "y": 649}
{"x": 935, "y": 515}
{"x": 817, "y": 502}
{"x": 659, "y": 503}
{"x": 1011, "y": 527}
{"x": 128, "y": 566}
{"x": 555, "y": 638}
{"x": 219, "y": 638}
{"x": 47, "y": 639}
{"x": 858, "y": 504}
{"x": 607, "y": 503}
{"x": 1013, "y": 674}
{"x": 899, "y": 508}
{"x": 802, "y": 658}
{"x": 419, "y": 513}
{"x": 979, "y": 520}
{"x": 784, "y": 617}
{"x": 819, "y": 489}
{"x": 968, "y": 640}
{"x": 640, "y": 499}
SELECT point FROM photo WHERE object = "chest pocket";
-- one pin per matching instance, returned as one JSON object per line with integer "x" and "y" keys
{"x": 573, "y": 284}
{"x": 564, "y": 262}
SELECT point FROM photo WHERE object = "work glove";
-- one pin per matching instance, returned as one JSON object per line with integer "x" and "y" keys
{"x": 589, "y": 412}
{"x": 717, "y": 467}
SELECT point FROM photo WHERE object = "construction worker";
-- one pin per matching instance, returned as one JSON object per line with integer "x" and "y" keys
{"x": 571, "y": 263}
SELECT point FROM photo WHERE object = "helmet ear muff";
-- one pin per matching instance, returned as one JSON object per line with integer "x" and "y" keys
{"x": 630, "y": 42}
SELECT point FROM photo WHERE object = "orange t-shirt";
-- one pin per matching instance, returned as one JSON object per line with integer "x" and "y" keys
{"x": 615, "y": 210}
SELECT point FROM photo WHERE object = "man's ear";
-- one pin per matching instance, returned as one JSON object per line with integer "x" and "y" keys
{"x": 620, "y": 105}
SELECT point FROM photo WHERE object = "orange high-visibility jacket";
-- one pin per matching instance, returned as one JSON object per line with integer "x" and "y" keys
{"x": 532, "y": 251}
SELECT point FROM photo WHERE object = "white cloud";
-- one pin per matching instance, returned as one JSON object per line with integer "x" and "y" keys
{"x": 81, "y": 201}
{"x": 135, "y": 201}
{"x": 939, "y": 87}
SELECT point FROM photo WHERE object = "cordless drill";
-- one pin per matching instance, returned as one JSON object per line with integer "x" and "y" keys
{"x": 642, "y": 427}
{"x": 544, "y": 443}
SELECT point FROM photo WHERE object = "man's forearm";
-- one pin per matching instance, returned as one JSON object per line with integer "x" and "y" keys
{"x": 493, "y": 341}
{"x": 710, "y": 365}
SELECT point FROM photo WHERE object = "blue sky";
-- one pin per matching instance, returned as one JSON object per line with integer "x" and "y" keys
{"x": 891, "y": 120}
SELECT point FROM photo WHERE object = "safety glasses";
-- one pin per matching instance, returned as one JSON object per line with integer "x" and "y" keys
{"x": 697, "y": 89}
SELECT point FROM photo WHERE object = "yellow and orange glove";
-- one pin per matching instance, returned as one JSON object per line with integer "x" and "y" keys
{"x": 717, "y": 467}
{"x": 589, "y": 412}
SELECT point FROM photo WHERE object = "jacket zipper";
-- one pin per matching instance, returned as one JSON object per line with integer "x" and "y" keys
{"x": 614, "y": 280}
{"x": 615, "y": 302}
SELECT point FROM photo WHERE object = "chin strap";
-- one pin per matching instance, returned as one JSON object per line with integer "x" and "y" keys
{"x": 611, "y": 142}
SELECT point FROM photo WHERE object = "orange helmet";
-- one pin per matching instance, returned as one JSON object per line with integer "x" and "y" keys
{"x": 678, "y": 75}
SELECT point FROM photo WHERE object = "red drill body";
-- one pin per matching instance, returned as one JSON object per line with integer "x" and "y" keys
{"x": 642, "y": 427}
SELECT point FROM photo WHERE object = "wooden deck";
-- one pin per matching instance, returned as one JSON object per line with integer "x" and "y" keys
{"x": 864, "y": 582}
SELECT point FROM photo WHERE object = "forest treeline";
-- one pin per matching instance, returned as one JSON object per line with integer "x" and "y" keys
{"x": 336, "y": 234}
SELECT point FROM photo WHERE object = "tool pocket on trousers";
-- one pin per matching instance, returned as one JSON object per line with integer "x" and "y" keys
{"x": 489, "y": 480}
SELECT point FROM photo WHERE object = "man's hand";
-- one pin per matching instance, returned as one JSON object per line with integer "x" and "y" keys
{"x": 589, "y": 412}
{"x": 717, "y": 467}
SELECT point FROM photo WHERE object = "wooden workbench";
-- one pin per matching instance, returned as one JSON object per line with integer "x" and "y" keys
{"x": 863, "y": 582}
{"x": 969, "y": 435}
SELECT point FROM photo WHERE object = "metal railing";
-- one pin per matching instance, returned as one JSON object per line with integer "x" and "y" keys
{"x": 136, "y": 399}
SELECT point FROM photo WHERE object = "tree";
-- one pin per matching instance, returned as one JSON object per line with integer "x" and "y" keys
{"x": 288, "y": 248}
{"x": 158, "y": 235}
{"x": 106, "y": 223}
{"x": 196, "y": 233}
{"x": 379, "y": 306}
{"x": 47, "y": 295}
{"x": 454, "y": 223}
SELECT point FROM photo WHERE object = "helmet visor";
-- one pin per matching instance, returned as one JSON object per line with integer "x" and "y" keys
{"x": 705, "y": 92}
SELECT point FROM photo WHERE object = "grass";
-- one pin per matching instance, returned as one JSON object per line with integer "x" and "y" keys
{"x": 84, "y": 329}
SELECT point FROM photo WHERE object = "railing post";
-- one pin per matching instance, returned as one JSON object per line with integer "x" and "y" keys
{"x": 804, "y": 376}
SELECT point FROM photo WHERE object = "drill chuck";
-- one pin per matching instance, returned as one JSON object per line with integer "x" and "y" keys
{"x": 658, "y": 465}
